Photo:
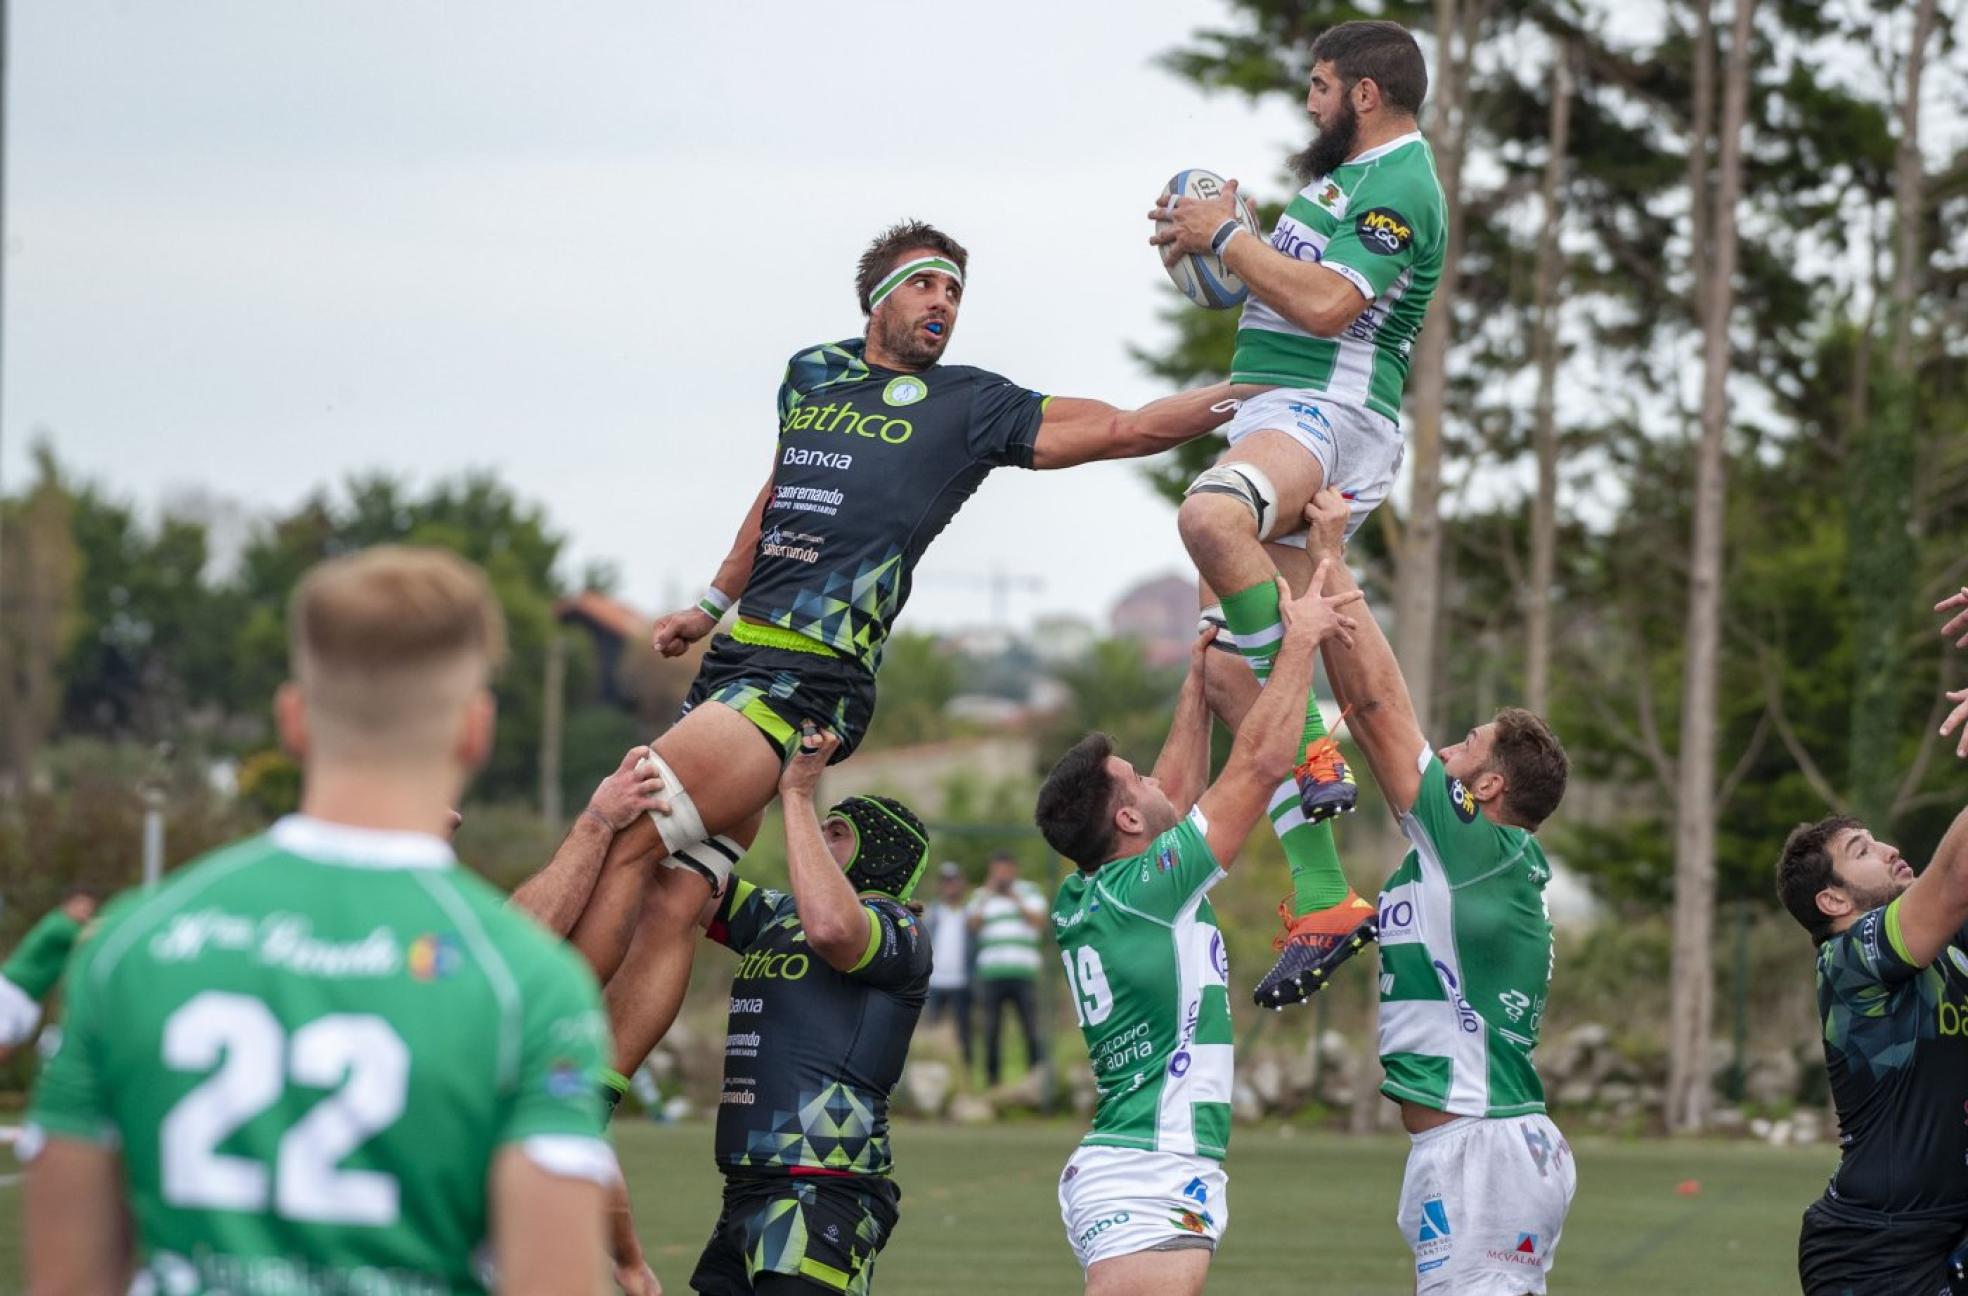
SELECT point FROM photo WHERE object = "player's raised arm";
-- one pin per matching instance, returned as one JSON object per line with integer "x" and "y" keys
{"x": 558, "y": 893}
{"x": 1364, "y": 673}
{"x": 836, "y": 923}
{"x": 673, "y": 634}
{"x": 1934, "y": 908}
{"x": 1183, "y": 767}
{"x": 1268, "y": 741}
{"x": 1077, "y": 431}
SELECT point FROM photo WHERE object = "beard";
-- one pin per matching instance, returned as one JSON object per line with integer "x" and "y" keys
{"x": 1866, "y": 899}
{"x": 1329, "y": 148}
{"x": 904, "y": 339}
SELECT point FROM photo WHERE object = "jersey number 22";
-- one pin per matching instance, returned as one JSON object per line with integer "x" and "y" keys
{"x": 359, "y": 1056}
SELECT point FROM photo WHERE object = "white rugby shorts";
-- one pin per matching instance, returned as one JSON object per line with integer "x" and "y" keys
{"x": 19, "y": 1013}
{"x": 1358, "y": 451}
{"x": 1483, "y": 1203}
{"x": 1117, "y": 1201}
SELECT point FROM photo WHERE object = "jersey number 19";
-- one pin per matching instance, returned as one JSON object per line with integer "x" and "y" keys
{"x": 359, "y": 1056}
{"x": 1093, "y": 998}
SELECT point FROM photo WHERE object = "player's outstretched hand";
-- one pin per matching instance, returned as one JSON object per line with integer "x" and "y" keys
{"x": 803, "y": 771}
{"x": 634, "y": 789}
{"x": 1326, "y": 516}
{"x": 1191, "y": 222}
{"x": 1956, "y": 603}
{"x": 637, "y": 1279}
{"x": 674, "y": 634}
{"x": 1315, "y": 615}
{"x": 1955, "y": 721}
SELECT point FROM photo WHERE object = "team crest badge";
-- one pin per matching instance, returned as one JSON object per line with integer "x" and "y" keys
{"x": 906, "y": 390}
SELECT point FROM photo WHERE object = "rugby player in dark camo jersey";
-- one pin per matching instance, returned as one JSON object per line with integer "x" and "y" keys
{"x": 879, "y": 445}
{"x": 830, "y": 983}
{"x": 1892, "y": 978}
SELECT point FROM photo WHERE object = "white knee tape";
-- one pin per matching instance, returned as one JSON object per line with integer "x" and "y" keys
{"x": 682, "y": 827}
{"x": 1212, "y": 616}
{"x": 1245, "y": 483}
{"x": 713, "y": 857}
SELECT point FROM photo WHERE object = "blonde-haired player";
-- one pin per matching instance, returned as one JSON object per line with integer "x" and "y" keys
{"x": 325, "y": 1058}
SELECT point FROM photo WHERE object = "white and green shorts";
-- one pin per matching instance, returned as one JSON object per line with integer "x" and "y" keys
{"x": 1117, "y": 1201}
{"x": 1358, "y": 451}
{"x": 1483, "y": 1202}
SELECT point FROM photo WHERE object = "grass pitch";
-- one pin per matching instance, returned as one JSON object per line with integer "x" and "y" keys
{"x": 1309, "y": 1213}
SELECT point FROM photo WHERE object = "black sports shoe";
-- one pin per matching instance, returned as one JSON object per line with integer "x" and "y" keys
{"x": 1312, "y": 947}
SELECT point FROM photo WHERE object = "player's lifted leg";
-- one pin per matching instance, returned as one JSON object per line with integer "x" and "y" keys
{"x": 1337, "y": 297}
{"x": 1229, "y": 513}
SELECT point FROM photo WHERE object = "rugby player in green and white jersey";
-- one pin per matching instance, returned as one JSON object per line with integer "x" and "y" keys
{"x": 1337, "y": 298}
{"x": 1466, "y": 956}
{"x": 325, "y": 1060}
{"x": 1143, "y": 1198}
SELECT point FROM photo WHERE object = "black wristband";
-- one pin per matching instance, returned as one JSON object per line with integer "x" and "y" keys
{"x": 1224, "y": 233}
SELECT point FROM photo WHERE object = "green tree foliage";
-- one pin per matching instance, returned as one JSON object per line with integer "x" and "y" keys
{"x": 1811, "y": 456}
{"x": 917, "y": 680}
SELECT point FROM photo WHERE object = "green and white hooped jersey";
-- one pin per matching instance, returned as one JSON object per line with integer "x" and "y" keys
{"x": 310, "y": 1047}
{"x": 1465, "y": 957}
{"x": 1007, "y": 943}
{"x": 1149, "y": 977}
{"x": 1380, "y": 221}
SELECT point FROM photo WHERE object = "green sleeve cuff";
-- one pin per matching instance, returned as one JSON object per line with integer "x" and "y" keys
{"x": 874, "y": 940}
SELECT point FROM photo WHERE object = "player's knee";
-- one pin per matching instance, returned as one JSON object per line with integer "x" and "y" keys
{"x": 1228, "y": 686}
{"x": 1227, "y": 502}
{"x": 674, "y": 899}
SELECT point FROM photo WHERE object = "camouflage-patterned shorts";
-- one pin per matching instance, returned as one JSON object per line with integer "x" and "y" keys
{"x": 776, "y": 689}
{"x": 826, "y": 1230}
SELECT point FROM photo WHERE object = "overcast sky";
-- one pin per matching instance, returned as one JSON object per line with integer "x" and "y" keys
{"x": 255, "y": 247}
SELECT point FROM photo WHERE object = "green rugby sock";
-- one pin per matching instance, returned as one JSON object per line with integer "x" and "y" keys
{"x": 1317, "y": 882}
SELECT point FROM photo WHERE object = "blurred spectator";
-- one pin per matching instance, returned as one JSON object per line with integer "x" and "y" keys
{"x": 1007, "y": 914}
{"x": 950, "y": 944}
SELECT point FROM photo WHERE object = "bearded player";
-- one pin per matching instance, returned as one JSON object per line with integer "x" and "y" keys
{"x": 1337, "y": 298}
{"x": 1144, "y": 1197}
{"x": 1892, "y": 976}
{"x": 1465, "y": 965}
{"x": 879, "y": 445}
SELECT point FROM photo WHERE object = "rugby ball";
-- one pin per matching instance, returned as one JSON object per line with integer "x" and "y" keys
{"x": 1203, "y": 278}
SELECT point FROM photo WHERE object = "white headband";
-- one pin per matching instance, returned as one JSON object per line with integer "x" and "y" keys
{"x": 904, "y": 272}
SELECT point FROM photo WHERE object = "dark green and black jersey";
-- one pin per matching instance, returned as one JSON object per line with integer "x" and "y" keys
{"x": 873, "y": 464}
{"x": 811, "y": 1054}
{"x": 1896, "y": 1045}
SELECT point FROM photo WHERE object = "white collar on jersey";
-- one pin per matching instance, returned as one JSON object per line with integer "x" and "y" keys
{"x": 1383, "y": 150}
{"x": 373, "y": 848}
